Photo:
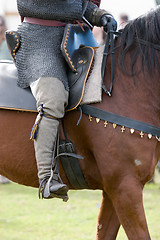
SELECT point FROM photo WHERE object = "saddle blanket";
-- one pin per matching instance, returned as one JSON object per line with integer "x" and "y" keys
{"x": 15, "y": 98}
{"x": 93, "y": 87}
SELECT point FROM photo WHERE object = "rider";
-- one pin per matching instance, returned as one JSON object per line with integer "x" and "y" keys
{"x": 41, "y": 66}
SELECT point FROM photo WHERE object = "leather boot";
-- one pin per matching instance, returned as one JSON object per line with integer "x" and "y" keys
{"x": 50, "y": 93}
{"x": 50, "y": 185}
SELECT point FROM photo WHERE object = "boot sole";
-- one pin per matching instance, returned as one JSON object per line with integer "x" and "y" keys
{"x": 62, "y": 191}
{"x": 53, "y": 195}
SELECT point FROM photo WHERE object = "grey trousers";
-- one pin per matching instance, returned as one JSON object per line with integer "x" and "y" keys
{"x": 51, "y": 93}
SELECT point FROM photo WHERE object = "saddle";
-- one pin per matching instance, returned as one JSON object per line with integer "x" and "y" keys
{"x": 11, "y": 95}
{"x": 77, "y": 47}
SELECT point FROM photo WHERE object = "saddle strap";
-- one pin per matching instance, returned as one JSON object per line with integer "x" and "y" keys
{"x": 70, "y": 162}
{"x": 71, "y": 166}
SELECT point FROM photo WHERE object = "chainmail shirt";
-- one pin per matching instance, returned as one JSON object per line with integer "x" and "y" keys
{"x": 39, "y": 54}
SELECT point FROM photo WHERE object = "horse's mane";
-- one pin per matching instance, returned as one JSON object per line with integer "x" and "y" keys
{"x": 141, "y": 37}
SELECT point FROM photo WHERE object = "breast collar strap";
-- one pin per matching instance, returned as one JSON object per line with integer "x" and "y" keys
{"x": 121, "y": 121}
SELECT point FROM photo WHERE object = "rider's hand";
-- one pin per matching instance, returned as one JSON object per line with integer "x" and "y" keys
{"x": 108, "y": 22}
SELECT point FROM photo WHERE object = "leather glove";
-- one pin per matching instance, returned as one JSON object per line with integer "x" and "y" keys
{"x": 108, "y": 22}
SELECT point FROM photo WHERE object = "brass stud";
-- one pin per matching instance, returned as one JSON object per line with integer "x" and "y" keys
{"x": 105, "y": 124}
{"x": 158, "y": 138}
{"x": 97, "y": 120}
{"x": 90, "y": 118}
{"x": 149, "y": 136}
{"x": 132, "y": 130}
{"x": 123, "y": 129}
{"x": 114, "y": 125}
{"x": 141, "y": 134}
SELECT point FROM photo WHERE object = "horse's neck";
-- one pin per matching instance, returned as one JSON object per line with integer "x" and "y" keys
{"x": 135, "y": 97}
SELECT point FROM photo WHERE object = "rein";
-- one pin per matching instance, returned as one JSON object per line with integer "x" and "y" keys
{"x": 109, "y": 44}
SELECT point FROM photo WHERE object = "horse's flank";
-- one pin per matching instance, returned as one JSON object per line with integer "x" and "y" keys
{"x": 118, "y": 161}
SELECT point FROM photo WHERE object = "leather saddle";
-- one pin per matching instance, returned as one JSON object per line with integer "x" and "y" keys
{"x": 83, "y": 58}
{"x": 11, "y": 95}
{"x": 16, "y": 98}
{"x": 77, "y": 47}
{"x": 74, "y": 38}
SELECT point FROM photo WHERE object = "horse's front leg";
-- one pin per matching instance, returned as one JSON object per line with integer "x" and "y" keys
{"x": 127, "y": 200}
{"x": 108, "y": 223}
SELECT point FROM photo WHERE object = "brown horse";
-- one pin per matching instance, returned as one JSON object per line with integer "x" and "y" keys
{"x": 118, "y": 160}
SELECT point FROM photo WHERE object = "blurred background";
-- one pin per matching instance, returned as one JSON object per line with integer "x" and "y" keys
{"x": 22, "y": 215}
{"x": 123, "y": 11}
{"x": 133, "y": 9}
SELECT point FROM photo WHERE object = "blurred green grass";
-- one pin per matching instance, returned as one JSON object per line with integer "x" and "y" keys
{"x": 24, "y": 217}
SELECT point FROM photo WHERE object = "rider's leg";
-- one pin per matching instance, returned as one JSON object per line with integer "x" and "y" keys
{"x": 51, "y": 93}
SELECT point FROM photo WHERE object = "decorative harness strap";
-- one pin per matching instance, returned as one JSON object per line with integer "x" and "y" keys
{"x": 151, "y": 130}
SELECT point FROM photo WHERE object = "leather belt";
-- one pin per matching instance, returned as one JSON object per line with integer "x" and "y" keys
{"x": 44, "y": 22}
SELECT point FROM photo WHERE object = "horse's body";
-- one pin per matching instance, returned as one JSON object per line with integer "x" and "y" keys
{"x": 116, "y": 161}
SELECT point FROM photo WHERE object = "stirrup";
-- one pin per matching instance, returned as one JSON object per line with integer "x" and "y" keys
{"x": 44, "y": 189}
